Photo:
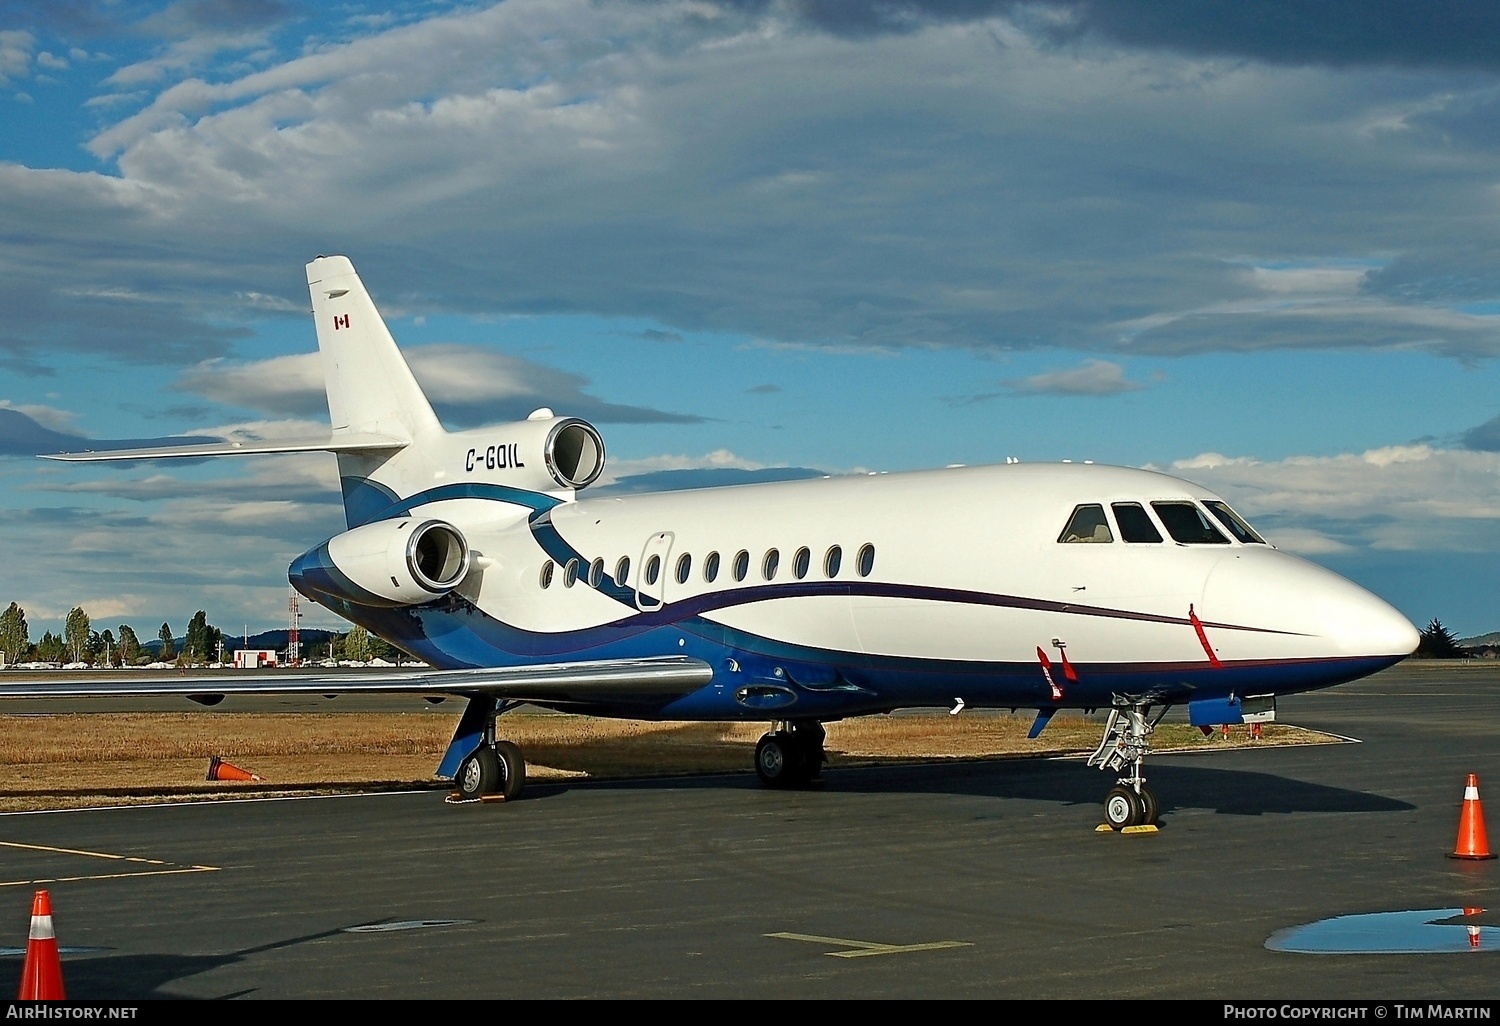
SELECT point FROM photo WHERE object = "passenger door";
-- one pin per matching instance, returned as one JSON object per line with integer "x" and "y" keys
{"x": 651, "y": 578}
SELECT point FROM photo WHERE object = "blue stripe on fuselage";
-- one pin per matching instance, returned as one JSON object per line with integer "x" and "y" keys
{"x": 452, "y": 632}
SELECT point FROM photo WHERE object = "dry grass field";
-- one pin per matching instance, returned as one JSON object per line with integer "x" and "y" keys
{"x": 84, "y": 759}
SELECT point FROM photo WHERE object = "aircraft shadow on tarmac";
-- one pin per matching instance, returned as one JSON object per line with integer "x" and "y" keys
{"x": 1232, "y": 792}
{"x": 141, "y": 977}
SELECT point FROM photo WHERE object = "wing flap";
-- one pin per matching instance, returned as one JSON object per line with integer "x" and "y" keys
{"x": 612, "y": 679}
{"x": 354, "y": 442}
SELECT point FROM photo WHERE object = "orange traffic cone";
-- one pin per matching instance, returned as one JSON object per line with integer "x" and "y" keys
{"x": 1473, "y": 843}
{"x": 41, "y": 976}
{"x": 218, "y": 769}
{"x": 1473, "y": 930}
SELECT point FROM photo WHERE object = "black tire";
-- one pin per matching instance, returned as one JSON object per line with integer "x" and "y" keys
{"x": 478, "y": 775}
{"x": 809, "y": 762}
{"x": 512, "y": 770}
{"x": 1150, "y": 807}
{"x": 808, "y": 736}
{"x": 778, "y": 760}
{"x": 813, "y": 758}
{"x": 1122, "y": 807}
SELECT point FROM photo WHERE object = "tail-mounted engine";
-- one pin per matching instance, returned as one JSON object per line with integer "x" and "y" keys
{"x": 542, "y": 453}
{"x": 405, "y": 562}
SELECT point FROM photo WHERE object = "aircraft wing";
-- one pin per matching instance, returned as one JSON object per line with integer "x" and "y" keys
{"x": 581, "y": 682}
{"x": 332, "y": 443}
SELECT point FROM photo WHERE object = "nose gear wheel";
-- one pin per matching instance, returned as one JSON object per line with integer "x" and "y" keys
{"x": 1125, "y": 746}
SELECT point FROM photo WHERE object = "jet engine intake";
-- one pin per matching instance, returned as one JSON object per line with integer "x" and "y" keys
{"x": 575, "y": 453}
{"x": 405, "y": 562}
{"x": 542, "y": 453}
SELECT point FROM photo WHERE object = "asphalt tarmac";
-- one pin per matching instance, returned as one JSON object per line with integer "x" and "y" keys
{"x": 970, "y": 880}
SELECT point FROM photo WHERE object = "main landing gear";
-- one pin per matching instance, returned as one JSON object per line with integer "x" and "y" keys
{"x": 1130, "y": 802}
{"x": 494, "y": 768}
{"x": 791, "y": 755}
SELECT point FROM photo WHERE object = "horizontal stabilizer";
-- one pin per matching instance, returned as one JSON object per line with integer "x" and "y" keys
{"x": 327, "y": 443}
{"x": 584, "y": 682}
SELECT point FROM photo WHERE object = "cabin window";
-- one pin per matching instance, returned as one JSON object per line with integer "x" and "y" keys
{"x": 1233, "y": 524}
{"x": 570, "y": 573}
{"x": 622, "y": 571}
{"x": 1135, "y": 523}
{"x": 546, "y": 578}
{"x": 741, "y": 564}
{"x": 831, "y": 560}
{"x": 653, "y": 569}
{"x": 684, "y": 567}
{"x": 769, "y": 564}
{"x": 866, "y": 560}
{"x": 800, "y": 562}
{"x": 1087, "y": 524}
{"x": 711, "y": 567}
{"x": 1188, "y": 524}
{"x": 596, "y": 572}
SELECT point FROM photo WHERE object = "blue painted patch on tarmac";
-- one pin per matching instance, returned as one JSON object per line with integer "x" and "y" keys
{"x": 1420, "y": 931}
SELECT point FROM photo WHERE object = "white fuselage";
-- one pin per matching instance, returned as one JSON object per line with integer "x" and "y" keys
{"x": 966, "y": 578}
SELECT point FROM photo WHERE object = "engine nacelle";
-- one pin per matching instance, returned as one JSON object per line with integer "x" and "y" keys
{"x": 406, "y": 562}
{"x": 542, "y": 453}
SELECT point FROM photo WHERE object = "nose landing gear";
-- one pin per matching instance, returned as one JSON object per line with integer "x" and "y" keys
{"x": 1130, "y": 802}
{"x": 792, "y": 755}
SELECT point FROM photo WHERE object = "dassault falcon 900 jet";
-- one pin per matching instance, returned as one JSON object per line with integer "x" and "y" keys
{"x": 1035, "y": 586}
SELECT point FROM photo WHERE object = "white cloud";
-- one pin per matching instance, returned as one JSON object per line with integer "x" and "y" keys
{"x": 1410, "y": 497}
{"x": 113, "y": 99}
{"x": 48, "y": 60}
{"x": 47, "y": 416}
{"x": 467, "y": 385}
{"x": 722, "y": 168}
{"x": 719, "y": 459}
{"x": 1307, "y": 542}
{"x": 1317, "y": 280}
{"x": 99, "y": 610}
{"x": 1092, "y": 377}
{"x": 15, "y": 55}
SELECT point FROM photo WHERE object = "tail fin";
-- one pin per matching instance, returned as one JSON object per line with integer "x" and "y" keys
{"x": 370, "y": 386}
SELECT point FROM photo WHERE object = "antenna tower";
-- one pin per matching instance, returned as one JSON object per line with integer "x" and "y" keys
{"x": 293, "y": 633}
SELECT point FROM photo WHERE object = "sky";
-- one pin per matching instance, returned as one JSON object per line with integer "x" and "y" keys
{"x": 1252, "y": 244}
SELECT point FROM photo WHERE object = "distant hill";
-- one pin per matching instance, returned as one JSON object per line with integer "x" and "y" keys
{"x": 1492, "y": 638}
{"x": 265, "y": 639}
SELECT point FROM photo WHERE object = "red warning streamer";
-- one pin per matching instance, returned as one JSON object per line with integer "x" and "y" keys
{"x": 1047, "y": 672}
{"x": 1203, "y": 639}
{"x": 1068, "y": 670}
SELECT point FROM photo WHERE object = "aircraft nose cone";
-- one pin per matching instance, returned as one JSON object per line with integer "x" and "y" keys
{"x": 1271, "y": 589}
{"x": 1370, "y": 626}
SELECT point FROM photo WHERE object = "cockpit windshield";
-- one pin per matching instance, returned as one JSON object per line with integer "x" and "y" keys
{"x": 1135, "y": 523}
{"x": 1186, "y": 523}
{"x": 1087, "y": 524}
{"x": 1233, "y": 524}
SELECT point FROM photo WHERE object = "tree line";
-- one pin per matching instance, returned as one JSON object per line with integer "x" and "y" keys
{"x": 202, "y": 643}
{"x": 81, "y": 643}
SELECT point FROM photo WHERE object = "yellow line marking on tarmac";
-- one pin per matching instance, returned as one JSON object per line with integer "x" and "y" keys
{"x": 863, "y": 949}
{"x": 79, "y": 851}
{"x": 107, "y": 876}
{"x": 99, "y": 876}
